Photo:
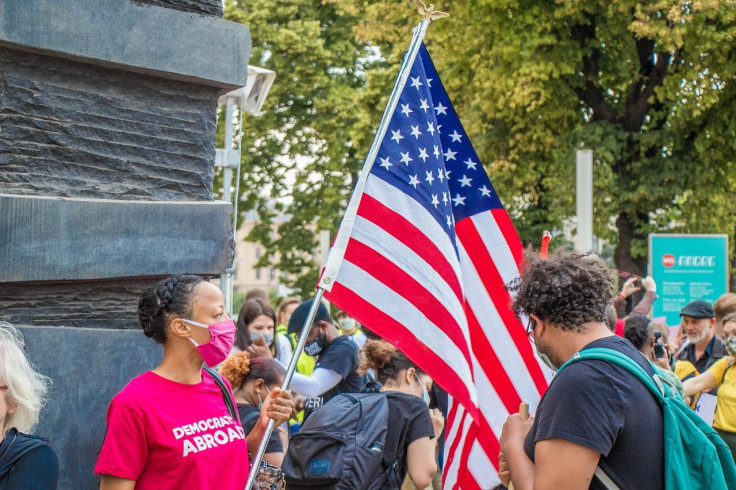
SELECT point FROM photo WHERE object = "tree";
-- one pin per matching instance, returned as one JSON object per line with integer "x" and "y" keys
{"x": 648, "y": 86}
{"x": 300, "y": 156}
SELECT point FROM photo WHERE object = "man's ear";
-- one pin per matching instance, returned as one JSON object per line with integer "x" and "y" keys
{"x": 536, "y": 322}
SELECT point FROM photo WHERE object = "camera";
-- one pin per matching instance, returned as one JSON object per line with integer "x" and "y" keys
{"x": 659, "y": 348}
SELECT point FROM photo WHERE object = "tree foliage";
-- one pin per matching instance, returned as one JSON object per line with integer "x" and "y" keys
{"x": 648, "y": 86}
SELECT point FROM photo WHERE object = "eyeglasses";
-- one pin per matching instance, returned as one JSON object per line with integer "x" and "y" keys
{"x": 530, "y": 330}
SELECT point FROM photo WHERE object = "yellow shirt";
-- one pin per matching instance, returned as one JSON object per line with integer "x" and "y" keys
{"x": 685, "y": 370}
{"x": 725, "y": 417}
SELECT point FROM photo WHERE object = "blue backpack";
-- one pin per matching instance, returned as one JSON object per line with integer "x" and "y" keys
{"x": 695, "y": 457}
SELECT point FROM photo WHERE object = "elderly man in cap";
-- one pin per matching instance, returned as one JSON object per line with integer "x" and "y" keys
{"x": 702, "y": 348}
{"x": 336, "y": 370}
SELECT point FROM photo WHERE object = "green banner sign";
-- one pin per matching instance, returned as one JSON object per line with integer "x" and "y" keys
{"x": 686, "y": 268}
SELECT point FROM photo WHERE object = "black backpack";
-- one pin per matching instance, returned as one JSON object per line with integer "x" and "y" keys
{"x": 340, "y": 445}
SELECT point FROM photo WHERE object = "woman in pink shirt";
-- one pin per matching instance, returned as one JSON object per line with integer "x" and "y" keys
{"x": 170, "y": 428}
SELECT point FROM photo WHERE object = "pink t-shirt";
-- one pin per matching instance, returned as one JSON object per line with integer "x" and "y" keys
{"x": 169, "y": 435}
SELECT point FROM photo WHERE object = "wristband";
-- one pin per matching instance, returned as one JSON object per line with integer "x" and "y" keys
{"x": 622, "y": 296}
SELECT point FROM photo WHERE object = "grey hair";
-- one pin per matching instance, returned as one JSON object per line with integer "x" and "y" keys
{"x": 26, "y": 388}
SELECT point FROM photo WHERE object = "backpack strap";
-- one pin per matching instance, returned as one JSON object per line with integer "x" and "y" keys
{"x": 605, "y": 479}
{"x": 225, "y": 392}
{"x": 652, "y": 382}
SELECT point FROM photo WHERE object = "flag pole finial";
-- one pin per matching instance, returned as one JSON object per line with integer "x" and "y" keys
{"x": 429, "y": 13}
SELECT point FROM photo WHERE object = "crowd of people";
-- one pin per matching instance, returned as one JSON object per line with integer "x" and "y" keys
{"x": 186, "y": 425}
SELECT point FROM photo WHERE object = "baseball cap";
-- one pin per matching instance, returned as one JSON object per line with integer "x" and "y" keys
{"x": 299, "y": 315}
{"x": 698, "y": 309}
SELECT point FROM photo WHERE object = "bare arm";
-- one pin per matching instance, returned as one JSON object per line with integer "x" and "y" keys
{"x": 274, "y": 458}
{"x": 109, "y": 482}
{"x": 558, "y": 464}
{"x": 643, "y": 306}
{"x": 576, "y": 471}
{"x": 699, "y": 383}
{"x": 421, "y": 461}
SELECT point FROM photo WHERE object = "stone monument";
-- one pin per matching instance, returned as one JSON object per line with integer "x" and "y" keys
{"x": 107, "y": 128}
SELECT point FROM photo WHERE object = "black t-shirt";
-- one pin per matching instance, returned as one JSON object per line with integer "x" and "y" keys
{"x": 341, "y": 356}
{"x": 408, "y": 420}
{"x": 602, "y": 406}
{"x": 248, "y": 421}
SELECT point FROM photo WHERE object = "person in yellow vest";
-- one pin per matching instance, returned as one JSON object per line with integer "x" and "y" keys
{"x": 305, "y": 365}
{"x": 350, "y": 327}
{"x": 722, "y": 376}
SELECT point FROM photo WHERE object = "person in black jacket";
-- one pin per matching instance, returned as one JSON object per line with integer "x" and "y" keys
{"x": 26, "y": 461}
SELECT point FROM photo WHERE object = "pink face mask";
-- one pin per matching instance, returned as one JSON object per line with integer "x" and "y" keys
{"x": 216, "y": 350}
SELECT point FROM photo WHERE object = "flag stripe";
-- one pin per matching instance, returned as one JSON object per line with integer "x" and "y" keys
{"x": 454, "y": 463}
{"x": 438, "y": 356}
{"x": 496, "y": 247}
{"x": 497, "y": 334}
{"x": 491, "y": 364}
{"x": 403, "y": 205}
{"x": 481, "y": 260}
{"x": 402, "y": 283}
{"x": 503, "y": 220}
{"x": 381, "y": 241}
{"x": 410, "y": 236}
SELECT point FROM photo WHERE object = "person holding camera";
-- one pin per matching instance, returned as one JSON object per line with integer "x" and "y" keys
{"x": 631, "y": 286}
{"x": 651, "y": 341}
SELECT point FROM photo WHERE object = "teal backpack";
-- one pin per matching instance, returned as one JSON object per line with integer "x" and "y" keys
{"x": 695, "y": 457}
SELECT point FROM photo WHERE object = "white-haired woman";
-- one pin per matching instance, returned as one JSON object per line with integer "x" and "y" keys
{"x": 25, "y": 461}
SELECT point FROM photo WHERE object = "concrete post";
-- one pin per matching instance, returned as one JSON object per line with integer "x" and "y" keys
{"x": 584, "y": 200}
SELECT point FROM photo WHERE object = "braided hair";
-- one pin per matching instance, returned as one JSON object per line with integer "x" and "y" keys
{"x": 171, "y": 298}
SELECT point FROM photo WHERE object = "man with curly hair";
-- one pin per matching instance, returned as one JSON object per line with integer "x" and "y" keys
{"x": 594, "y": 414}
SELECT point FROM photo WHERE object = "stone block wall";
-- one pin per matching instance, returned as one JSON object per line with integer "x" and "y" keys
{"x": 76, "y": 129}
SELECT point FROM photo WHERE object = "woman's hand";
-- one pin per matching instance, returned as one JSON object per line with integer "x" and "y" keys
{"x": 438, "y": 421}
{"x": 629, "y": 287}
{"x": 278, "y": 406}
{"x": 259, "y": 349}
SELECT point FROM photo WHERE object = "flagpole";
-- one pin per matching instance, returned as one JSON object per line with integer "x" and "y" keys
{"x": 338, "y": 249}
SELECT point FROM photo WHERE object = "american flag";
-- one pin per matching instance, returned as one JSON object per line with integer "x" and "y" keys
{"x": 421, "y": 258}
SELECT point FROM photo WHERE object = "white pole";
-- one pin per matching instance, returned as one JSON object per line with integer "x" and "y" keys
{"x": 584, "y": 200}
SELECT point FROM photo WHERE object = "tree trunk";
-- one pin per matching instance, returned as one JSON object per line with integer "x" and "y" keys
{"x": 622, "y": 255}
